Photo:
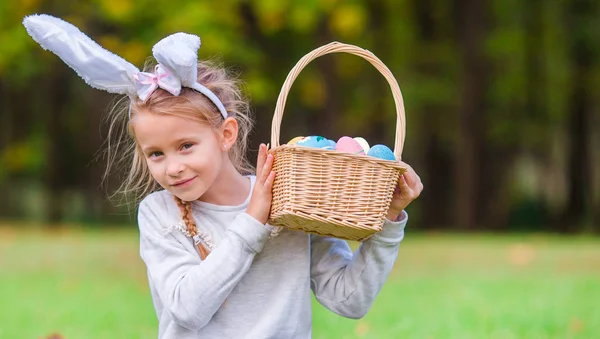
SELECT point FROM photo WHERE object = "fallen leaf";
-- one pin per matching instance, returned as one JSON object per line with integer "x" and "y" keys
{"x": 521, "y": 254}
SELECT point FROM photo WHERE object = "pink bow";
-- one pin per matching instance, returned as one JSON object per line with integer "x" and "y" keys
{"x": 146, "y": 83}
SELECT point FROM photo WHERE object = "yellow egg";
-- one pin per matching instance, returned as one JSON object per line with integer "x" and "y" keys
{"x": 295, "y": 140}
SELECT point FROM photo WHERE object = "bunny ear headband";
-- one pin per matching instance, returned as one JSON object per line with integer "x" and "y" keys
{"x": 176, "y": 55}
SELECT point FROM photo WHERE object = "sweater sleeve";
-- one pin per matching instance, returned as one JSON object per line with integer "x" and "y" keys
{"x": 190, "y": 289}
{"x": 348, "y": 283}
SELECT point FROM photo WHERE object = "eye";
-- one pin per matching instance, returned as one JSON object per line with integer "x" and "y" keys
{"x": 155, "y": 154}
{"x": 187, "y": 145}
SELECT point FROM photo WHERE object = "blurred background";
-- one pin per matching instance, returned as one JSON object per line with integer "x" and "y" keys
{"x": 503, "y": 122}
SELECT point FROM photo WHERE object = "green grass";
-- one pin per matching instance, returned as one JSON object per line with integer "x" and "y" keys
{"x": 93, "y": 285}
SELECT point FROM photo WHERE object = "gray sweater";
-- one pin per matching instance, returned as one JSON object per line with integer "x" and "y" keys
{"x": 253, "y": 286}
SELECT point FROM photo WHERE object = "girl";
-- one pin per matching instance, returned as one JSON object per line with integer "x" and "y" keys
{"x": 216, "y": 269}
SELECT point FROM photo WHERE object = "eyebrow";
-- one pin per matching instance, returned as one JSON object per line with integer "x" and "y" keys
{"x": 146, "y": 149}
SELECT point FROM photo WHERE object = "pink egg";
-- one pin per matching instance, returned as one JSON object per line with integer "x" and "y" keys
{"x": 349, "y": 145}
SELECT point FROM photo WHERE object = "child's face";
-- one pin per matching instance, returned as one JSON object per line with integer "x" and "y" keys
{"x": 184, "y": 156}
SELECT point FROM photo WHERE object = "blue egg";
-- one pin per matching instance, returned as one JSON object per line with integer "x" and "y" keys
{"x": 331, "y": 145}
{"x": 310, "y": 141}
{"x": 315, "y": 141}
{"x": 382, "y": 152}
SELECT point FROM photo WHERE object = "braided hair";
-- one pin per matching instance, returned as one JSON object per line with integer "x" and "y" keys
{"x": 188, "y": 218}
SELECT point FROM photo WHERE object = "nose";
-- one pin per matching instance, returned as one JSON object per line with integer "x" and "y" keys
{"x": 175, "y": 167}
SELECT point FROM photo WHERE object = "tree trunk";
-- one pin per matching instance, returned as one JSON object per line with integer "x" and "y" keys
{"x": 16, "y": 127}
{"x": 57, "y": 136}
{"x": 493, "y": 195}
{"x": 6, "y": 127}
{"x": 90, "y": 176}
{"x": 471, "y": 20}
{"x": 437, "y": 163}
{"x": 535, "y": 75}
{"x": 581, "y": 15}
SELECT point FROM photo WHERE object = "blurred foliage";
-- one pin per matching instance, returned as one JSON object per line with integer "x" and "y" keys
{"x": 490, "y": 90}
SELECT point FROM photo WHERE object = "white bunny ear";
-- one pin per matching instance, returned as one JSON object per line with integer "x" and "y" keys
{"x": 99, "y": 68}
{"x": 179, "y": 53}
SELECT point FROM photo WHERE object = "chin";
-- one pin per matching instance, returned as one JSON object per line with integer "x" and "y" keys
{"x": 188, "y": 196}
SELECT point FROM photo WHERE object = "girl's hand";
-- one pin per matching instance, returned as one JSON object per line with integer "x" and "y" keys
{"x": 408, "y": 189}
{"x": 262, "y": 194}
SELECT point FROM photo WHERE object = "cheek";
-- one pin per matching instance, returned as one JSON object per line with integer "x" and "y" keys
{"x": 205, "y": 156}
{"x": 201, "y": 162}
{"x": 155, "y": 170}
{"x": 208, "y": 164}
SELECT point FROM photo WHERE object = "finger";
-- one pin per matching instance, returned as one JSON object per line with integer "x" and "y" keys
{"x": 411, "y": 178}
{"x": 266, "y": 170}
{"x": 402, "y": 181}
{"x": 402, "y": 189}
{"x": 269, "y": 182}
{"x": 260, "y": 160}
{"x": 408, "y": 169}
{"x": 419, "y": 184}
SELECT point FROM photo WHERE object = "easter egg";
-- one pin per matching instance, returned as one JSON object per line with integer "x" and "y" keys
{"x": 349, "y": 145}
{"x": 363, "y": 143}
{"x": 314, "y": 141}
{"x": 295, "y": 140}
{"x": 309, "y": 141}
{"x": 382, "y": 152}
{"x": 332, "y": 145}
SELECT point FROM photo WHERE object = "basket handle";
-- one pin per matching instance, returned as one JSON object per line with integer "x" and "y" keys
{"x": 337, "y": 47}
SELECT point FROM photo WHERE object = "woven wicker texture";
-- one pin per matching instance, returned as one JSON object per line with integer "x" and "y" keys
{"x": 329, "y": 192}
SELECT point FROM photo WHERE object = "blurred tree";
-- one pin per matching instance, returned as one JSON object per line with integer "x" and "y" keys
{"x": 434, "y": 62}
{"x": 471, "y": 18}
{"x": 488, "y": 86}
{"x": 581, "y": 18}
{"x": 58, "y": 144}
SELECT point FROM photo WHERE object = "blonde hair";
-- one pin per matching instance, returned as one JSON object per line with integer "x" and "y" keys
{"x": 122, "y": 150}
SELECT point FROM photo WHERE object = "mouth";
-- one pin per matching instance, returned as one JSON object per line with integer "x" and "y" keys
{"x": 182, "y": 183}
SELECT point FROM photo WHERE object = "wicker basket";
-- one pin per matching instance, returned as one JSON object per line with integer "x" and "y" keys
{"x": 328, "y": 192}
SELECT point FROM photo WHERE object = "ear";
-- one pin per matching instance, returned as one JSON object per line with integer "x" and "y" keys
{"x": 229, "y": 133}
